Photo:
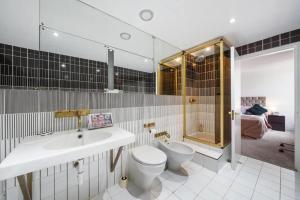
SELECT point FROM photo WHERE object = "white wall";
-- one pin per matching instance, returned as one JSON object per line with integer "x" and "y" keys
{"x": 271, "y": 76}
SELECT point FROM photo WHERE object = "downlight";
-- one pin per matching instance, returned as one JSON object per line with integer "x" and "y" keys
{"x": 125, "y": 36}
{"x": 146, "y": 15}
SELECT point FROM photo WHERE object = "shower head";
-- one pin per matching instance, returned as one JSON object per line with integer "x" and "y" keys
{"x": 200, "y": 58}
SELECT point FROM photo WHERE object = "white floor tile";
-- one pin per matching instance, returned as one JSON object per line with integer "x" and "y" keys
{"x": 283, "y": 197}
{"x": 161, "y": 193}
{"x": 243, "y": 159}
{"x": 114, "y": 190}
{"x": 242, "y": 189}
{"x": 269, "y": 184}
{"x": 250, "y": 170}
{"x": 269, "y": 177}
{"x": 218, "y": 188}
{"x": 185, "y": 194}
{"x": 292, "y": 193}
{"x": 196, "y": 184}
{"x": 124, "y": 195}
{"x": 253, "y": 179}
{"x": 290, "y": 184}
{"x": 172, "y": 180}
{"x": 267, "y": 192}
{"x": 231, "y": 195}
{"x": 259, "y": 196}
{"x": 246, "y": 179}
{"x": 173, "y": 197}
{"x": 273, "y": 172}
{"x": 208, "y": 173}
{"x": 207, "y": 194}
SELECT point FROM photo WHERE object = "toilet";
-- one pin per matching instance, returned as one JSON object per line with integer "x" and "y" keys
{"x": 145, "y": 164}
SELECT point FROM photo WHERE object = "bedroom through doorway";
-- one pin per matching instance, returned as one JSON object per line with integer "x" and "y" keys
{"x": 268, "y": 108}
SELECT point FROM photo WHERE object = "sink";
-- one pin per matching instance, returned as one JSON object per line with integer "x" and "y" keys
{"x": 77, "y": 139}
{"x": 41, "y": 152}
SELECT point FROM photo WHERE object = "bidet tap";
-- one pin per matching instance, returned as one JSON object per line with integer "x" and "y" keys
{"x": 45, "y": 133}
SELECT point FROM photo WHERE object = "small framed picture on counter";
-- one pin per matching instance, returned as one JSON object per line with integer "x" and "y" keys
{"x": 100, "y": 120}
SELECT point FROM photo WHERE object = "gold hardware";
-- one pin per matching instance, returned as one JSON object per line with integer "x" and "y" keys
{"x": 149, "y": 125}
{"x": 25, "y": 182}
{"x": 232, "y": 114}
{"x": 192, "y": 100}
{"x": 164, "y": 133}
{"x": 73, "y": 113}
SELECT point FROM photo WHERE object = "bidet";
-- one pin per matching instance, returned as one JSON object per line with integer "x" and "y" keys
{"x": 177, "y": 153}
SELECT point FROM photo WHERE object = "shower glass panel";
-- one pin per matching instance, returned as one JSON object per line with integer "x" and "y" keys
{"x": 201, "y": 75}
{"x": 203, "y": 94}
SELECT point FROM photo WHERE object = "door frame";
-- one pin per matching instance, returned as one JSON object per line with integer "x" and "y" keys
{"x": 295, "y": 47}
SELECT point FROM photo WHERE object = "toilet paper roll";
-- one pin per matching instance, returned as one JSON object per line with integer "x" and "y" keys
{"x": 152, "y": 130}
{"x": 123, "y": 182}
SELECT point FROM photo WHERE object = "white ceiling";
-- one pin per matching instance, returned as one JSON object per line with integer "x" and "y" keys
{"x": 180, "y": 23}
{"x": 185, "y": 23}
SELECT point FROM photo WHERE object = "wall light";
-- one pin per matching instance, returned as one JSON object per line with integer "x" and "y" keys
{"x": 178, "y": 59}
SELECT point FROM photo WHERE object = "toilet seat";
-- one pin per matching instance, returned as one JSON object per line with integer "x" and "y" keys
{"x": 148, "y": 155}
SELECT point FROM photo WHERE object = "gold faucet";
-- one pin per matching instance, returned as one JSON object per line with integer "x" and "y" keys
{"x": 73, "y": 113}
{"x": 164, "y": 133}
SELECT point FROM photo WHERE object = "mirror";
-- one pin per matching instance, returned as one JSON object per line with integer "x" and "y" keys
{"x": 168, "y": 61}
{"x": 94, "y": 50}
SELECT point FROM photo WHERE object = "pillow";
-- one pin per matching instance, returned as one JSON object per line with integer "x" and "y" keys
{"x": 257, "y": 110}
{"x": 244, "y": 109}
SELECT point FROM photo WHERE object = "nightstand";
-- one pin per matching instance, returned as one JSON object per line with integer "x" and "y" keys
{"x": 277, "y": 122}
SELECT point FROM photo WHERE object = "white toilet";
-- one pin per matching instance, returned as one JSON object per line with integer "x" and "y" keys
{"x": 145, "y": 164}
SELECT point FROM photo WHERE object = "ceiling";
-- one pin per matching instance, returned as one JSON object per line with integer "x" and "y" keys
{"x": 180, "y": 24}
{"x": 188, "y": 23}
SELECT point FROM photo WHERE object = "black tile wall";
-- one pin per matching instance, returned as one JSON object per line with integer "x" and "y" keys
{"x": 271, "y": 42}
{"x": 30, "y": 69}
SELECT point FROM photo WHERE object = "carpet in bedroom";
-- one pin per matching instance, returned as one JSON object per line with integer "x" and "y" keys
{"x": 266, "y": 148}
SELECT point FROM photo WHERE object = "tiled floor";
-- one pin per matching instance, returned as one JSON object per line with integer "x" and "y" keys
{"x": 253, "y": 179}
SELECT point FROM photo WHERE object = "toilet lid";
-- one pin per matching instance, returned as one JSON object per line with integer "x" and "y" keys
{"x": 149, "y": 155}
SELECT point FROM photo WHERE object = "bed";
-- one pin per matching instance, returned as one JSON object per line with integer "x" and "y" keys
{"x": 254, "y": 126}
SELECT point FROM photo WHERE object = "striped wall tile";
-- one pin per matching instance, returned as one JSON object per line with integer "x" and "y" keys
{"x": 130, "y": 112}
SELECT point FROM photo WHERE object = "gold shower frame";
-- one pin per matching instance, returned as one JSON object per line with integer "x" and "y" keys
{"x": 219, "y": 41}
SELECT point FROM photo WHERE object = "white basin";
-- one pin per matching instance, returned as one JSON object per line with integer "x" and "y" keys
{"x": 177, "y": 153}
{"x": 42, "y": 152}
{"x": 77, "y": 139}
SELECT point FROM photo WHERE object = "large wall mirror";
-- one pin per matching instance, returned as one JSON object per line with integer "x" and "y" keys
{"x": 93, "y": 51}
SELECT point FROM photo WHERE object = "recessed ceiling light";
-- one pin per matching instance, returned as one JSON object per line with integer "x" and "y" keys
{"x": 146, "y": 15}
{"x": 55, "y": 34}
{"x": 146, "y": 60}
{"x": 125, "y": 36}
{"x": 63, "y": 65}
{"x": 232, "y": 21}
{"x": 207, "y": 49}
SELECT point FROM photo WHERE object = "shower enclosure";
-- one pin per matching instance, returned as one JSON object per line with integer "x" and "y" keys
{"x": 202, "y": 76}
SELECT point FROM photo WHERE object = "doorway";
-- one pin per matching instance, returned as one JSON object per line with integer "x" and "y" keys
{"x": 268, "y": 84}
